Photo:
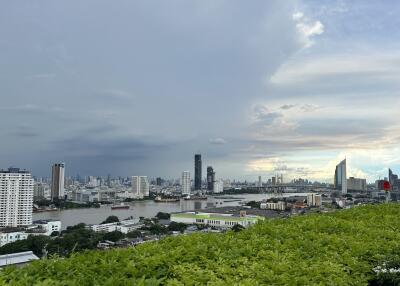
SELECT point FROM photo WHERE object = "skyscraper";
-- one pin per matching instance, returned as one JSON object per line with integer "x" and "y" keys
{"x": 57, "y": 181}
{"x": 259, "y": 183}
{"x": 16, "y": 198}
{"x": 210, "y": 178}
{"x": 185, "y": 183}
{"x": 140, "y": 186}
{"x": 341, "y": 177}
{"x": 197, "y": 172}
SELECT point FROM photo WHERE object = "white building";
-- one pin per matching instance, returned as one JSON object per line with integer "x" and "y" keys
{"x": 186, "y": 186}
{"x": 140, "y": 186}
{"x": 124, "y": 226}
{"x": 278, "y": 206}
{"x": 49, "y": 226}
{"x": 220, "y": 220}
{"x": 57, "y": 181}
{"x": 218, "y": 186}
{"x": 314, "y": 200}
{"x": 16, "y": 198}
{"x": 17, "y": 259}
{"x": 8, "y": 237}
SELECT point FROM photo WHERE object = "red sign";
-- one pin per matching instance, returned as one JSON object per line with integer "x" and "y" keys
{"x": 386, "y": 186}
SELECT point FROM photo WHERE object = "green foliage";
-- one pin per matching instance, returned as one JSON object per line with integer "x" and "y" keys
{"x": 237, "y": 228}
{"x": 113, "y": 236}
{"x": 177, "y": 226}
{"x": 111, "y": 219}
{"x": 161, "y": 215}
{"x": 338, "y": 248}
{"x": 134, "y": 234}
{"x": 254, "y": 204}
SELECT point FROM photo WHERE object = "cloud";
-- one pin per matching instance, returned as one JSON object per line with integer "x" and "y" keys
{"x": 309, "y": 107}
{"x": 263, "y": 116}
{"x": 287, "y": 106}
{"x": 217, "y": 141}
{"x": 307, "y": 28}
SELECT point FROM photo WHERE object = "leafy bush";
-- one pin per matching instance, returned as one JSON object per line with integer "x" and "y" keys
{"x": 161, "y": 215}
{"x": 340, "y": 248}
{"x": 111, "y": 219}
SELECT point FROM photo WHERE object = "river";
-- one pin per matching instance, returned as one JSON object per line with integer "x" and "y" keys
{"x": 149, "y": 208}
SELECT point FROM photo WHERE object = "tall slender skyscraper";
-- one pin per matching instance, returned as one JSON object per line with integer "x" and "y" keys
{"x": 197, "y": 172}
{"x": 210, "y": 178}
{"x": 57, "y": 181}
{"x": 16, "y": 198}
{"x": 185, "y": 183}
{"x": 341, "y": 177}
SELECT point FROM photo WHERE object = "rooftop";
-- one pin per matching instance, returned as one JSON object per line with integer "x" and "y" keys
{"x": 17, "y": 258}
{"x": 12, "y": 170}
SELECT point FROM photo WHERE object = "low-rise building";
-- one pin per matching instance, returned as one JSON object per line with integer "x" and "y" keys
{"x": 49, "y": 226}
{"x": 17, "y": 259}
{"x": 279, "y": 206}
{"x": 124, "y": 226}
{"x": 215, "y": 219}
{"x": 8, "y": 236}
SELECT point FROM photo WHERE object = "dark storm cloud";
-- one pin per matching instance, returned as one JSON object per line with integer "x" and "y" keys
{"x": 163, "y": 71}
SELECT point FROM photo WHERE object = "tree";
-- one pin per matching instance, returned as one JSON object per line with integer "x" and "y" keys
{"x": 161, "y": 215}
{"x": 237, "y": 228}
{"x": 113, "y": 236}
{"x": 111, "y": 219}
{"x": 177, "y": 226}
{"x": 134, "y": 234}
{"x": 157, "y": 229}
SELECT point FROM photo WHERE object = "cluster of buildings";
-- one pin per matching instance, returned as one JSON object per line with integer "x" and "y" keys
{"x": 212, "y": 184}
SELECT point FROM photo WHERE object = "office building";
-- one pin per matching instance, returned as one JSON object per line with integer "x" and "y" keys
{"x": 140, "y": 186}
{"x": 394, "y": 180}
{"x": 218, "y": 187}
{"x": 57, "y": 181}
{"x": 159, "y": 181}
{"x": 356, "y": 184}
{"x": 210, "y": 178}
{"x": 341, "y": 177}
{"x": 197, "y": 172}
{"x": 186, "y": 186}
{"x": 16, "y": 198}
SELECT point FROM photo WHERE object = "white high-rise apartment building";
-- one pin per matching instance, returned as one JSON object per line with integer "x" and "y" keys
{"x": 186, "y": 186}
{"x": 57, "y": 181}
{"x": 140, "y": 186}
{"x": 218, "y": 186}
{"x": 16, "y": 198}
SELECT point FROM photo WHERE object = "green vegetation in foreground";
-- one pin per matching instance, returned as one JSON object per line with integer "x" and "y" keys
{"x": 338, "y": 248}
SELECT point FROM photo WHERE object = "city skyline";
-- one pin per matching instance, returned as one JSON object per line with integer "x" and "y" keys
{"x": 306, "y": 84}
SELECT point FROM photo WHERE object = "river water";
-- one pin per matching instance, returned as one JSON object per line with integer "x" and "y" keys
{"x": 149, "y": 208}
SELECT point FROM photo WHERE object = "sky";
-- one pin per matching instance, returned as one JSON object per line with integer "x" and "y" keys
{"x": 258, "y": 88}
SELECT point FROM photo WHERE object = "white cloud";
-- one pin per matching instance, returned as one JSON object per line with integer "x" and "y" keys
{"x": 297, "y": 16}
{"x": 217, "y": 141}
{"x": 307, "y": 28}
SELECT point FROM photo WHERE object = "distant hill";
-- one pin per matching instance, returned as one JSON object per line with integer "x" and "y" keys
{"x": 338, "y": 248}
